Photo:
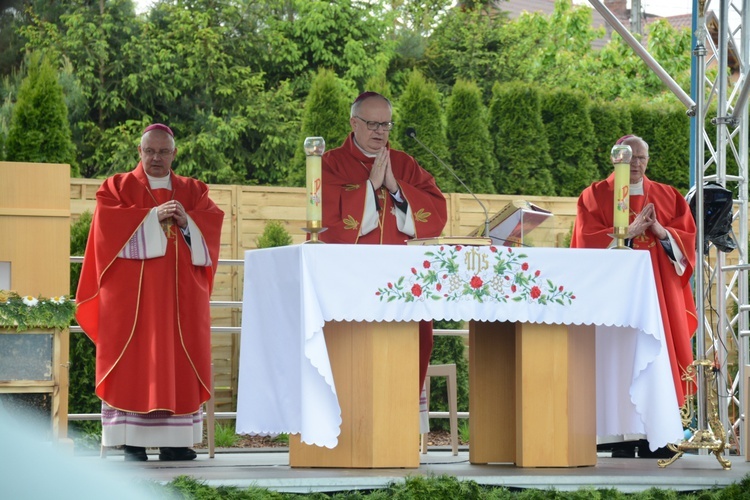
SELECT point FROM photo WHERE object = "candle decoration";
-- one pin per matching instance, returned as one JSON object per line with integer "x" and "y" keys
{"x": 314, "y": 149}
{"x": 621, "y": 155}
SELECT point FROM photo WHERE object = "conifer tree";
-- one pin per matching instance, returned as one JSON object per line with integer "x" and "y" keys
{"x": 39, "y": 130}
{"x": 469, "y": 139}
{"x": 520, "y": 143}
{"x": 567, "y": 123}
{"x": 611, "y": 120}
{"x": 326, "y": 115}
{"x": 670, "y": 150}
{"x": 419, "y": 107}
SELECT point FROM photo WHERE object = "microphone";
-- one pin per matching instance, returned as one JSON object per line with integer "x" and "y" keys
{"x": 410, "y": 132}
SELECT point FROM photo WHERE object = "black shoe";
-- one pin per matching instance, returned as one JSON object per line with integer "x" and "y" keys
{"x": 173, "y": 454}
{"x": 623, "y": 450}
{"x": 645, "y": 452}
{"x": 135, "y": 453}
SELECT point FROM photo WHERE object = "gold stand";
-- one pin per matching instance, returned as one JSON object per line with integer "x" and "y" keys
{"x": 314, "y": 227}
{"x": 620, "y": 234}
{"x": 703, "y": 439}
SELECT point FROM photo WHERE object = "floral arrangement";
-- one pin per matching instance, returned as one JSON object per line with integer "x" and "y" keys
{"x": 27, "y": 312}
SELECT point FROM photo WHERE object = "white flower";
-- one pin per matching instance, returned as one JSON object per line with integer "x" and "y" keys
{"x": 57, "y": 300}
{"x": 30, "y": 301}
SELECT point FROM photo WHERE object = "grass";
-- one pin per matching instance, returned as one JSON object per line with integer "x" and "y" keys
{"x": 463, "y": 431}
{"x": 224, "y": 435}
{"x": 450, "y": 488}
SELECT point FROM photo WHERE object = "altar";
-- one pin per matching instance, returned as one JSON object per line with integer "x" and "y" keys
{"x": 295, "y": 296}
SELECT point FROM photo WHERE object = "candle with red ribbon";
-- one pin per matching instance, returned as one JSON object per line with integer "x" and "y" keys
{"x": 621, "y": 155}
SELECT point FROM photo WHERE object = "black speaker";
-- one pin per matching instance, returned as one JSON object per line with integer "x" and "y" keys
{"x": 717, "y": 218}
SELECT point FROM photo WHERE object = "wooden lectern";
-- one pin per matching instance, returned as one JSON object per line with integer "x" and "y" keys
{"x": 35, "y": 251}
{"x": 372, "y": 364}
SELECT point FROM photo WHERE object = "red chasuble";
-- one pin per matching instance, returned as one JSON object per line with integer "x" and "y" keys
{"x": 592, "y": 229}
{"x": 149, "y": 318}
{"x": 345, "y": 174}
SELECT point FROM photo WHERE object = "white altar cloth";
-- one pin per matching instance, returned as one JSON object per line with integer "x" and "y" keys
{"x": 285, "y": 380}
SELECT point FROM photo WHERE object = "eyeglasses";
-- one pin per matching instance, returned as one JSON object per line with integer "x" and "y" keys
{"x": 162, "y": 152}
{"x": 376, "y": 125}
{"x": 639, "y": 158}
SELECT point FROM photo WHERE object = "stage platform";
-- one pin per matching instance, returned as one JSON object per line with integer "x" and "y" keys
{"x": 269, "y": 468}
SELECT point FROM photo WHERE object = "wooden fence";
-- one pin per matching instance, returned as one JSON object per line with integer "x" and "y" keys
{"x": 247, "y": 209}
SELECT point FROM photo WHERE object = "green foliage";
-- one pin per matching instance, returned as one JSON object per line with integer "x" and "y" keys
{"x": 326, "y": 115}
{"x": 670, "y": 151}
{"x": 419, "y": 107}
{"x": 82, "y": 372}
{"x": 520, "y": 142}
{"x": 569, "y": 133}
{"x": 463, "y": 431}
{"x": 274, "y": 235}
{"x": 468, "y": 137}
{"x": 445, "y": 487}
{"x": 469, "y": 44}
{"x": 224, "y": 435}
{"x": 39, "y": 129}
{"x": 24, "y": 312}
{"x": 611, "y": 120}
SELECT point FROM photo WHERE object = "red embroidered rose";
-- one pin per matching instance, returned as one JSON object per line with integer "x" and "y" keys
{"x": 561, "y": 288}
{"x": 377, "y": 293}
{"x": 476, "y": 282}
{"x": 537, "y": 273}
{"x": 416, "y": 290}
{"x": 525, "y": 266}
{"x": 390, "y": 285}
{"x": 413, "y": 271}
{"x": 493, "y": 249}
{"x": 458, "y": 248}
{"x": 513, "y": 288}
{"x": 438, "y": 287}
{"x": 535, "y": 292}
{"x": 426, "y": 264}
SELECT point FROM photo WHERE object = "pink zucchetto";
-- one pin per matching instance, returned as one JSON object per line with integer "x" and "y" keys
{"x": 624, "y": 138}
{"x": 158, "y": 126}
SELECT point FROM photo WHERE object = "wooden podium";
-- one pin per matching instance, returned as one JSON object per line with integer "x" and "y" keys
{"x": 532, "y": 394}
{"x": 35, "y": 254}
{"x": 372, "y": 364}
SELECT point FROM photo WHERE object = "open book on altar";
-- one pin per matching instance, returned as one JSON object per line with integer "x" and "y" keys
{"x": 510, "y": 225}
{"x": 452, "y": 240}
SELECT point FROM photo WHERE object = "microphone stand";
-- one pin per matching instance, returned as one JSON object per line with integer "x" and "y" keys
{"x": 410, "y": 132}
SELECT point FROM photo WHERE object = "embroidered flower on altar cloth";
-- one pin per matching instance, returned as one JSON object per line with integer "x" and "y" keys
{"x": 468, "y": 273}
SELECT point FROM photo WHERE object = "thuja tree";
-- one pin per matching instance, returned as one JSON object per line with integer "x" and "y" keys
{"x": 670, "y": 148}
{"x": 39, "y": 129}
{"x": 520, "y": 142}
{"x": 82, "y": 398}
{"x": 567, "y": 123}
{"x": 326, "y": 115}
{"x": 419, "y": 107}
{"x": 610, "y": 120}
{"x": 469, "y": 138}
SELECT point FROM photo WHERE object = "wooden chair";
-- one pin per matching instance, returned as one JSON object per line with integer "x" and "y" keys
{"x": 448, "y": 371}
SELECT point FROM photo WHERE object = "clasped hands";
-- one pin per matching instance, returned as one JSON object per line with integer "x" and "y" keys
{"x": 173, "y": 208}
{"x": 645, "y": 220}
{"x": 382, "y": 174}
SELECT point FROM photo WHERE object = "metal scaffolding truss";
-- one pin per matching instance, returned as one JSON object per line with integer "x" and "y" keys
{"x": 721, "y": 157}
